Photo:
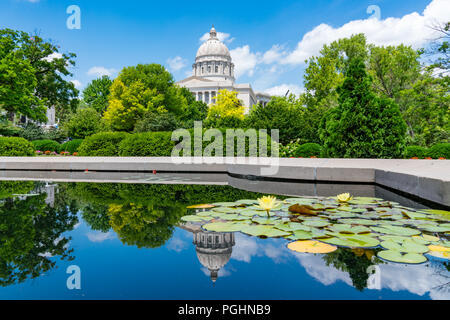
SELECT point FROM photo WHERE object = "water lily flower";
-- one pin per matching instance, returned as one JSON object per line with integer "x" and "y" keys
{"x": 268, "y": 203}
{"x": 344, "y": 197}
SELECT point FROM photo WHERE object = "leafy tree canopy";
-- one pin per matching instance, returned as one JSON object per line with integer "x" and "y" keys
{"x": 33, "y": 75}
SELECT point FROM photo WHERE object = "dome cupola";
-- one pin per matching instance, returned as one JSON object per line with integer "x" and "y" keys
{"x": 213, "y": 59}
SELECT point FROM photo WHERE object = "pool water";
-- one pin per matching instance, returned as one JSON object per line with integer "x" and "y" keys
{"x": 126, "y": 241}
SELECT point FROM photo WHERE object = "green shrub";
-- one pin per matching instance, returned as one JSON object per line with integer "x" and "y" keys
{"x": 440, "y": 150}
{"x": 15, "y": 147}
{"x": 308, "y": 150}
{"x": 147, "y": 144}
{"x": 31, "y": 132}
{"x": 46, "y": 145}
{"x": 156, "y": 122}
{"x": 415, "y": 151}
{"x": 82, "y": 124}
{"x": 71, "y": 146}
{"x": 103, "y": 144}
{"x": 160, "y": 144}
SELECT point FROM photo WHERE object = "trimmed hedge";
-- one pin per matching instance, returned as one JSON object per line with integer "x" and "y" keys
{"x": 103, "y": 144}
{"x": 308, "y": 150}
{"x": 160, "y": 144}
{"x": 71, "y": 146}
{"x": 15, "y": 147}
{"x": 440, "y": 150}
{"x": 415, "y": 151}
{"x": 148, "y": 144}
{"x": 46, "y": 145}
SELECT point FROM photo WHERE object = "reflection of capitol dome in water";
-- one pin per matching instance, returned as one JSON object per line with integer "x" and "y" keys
{"x": 213, "y": 250}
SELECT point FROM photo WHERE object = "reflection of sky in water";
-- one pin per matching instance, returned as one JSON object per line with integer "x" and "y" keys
{"x": 257, "y": 269}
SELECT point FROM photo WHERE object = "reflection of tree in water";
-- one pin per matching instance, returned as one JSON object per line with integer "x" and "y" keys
{"x": 30, "y": 232}
{"x": 145, "y": 215}
{"x": 355, "y": 262}
{"x": 144, "y": 225}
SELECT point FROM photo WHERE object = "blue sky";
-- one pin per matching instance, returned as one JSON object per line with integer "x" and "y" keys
{"x": 268, "y": 40}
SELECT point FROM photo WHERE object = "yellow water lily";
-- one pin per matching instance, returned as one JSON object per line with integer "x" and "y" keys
{"x": 268, "y": 203}
{"x": 344, "y": 197}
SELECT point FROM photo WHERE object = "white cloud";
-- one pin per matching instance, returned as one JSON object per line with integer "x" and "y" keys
{"x": 245, "y": 61}
{"x": 101, "y": 71}
{"x": 77, "y": 84}
{"x": 53, "y": 56}
{"x": 281, "y": 89}
{"x": 274, "y": 54}
{"x": 176, "y": 63}
{"x": 100, "y": 236}
{"x": 412, "y": 29}
{"x": 224, "y": 37}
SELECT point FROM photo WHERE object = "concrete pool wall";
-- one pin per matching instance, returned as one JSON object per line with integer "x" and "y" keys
{"x": 426, "y": 179}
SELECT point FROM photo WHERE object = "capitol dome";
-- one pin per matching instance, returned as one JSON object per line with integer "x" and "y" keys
{"x": 213, "y": 60}
{"x": 213, "y": 46}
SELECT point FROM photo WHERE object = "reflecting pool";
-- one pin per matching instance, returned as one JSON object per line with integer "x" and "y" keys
{"x": 128, "y": 241}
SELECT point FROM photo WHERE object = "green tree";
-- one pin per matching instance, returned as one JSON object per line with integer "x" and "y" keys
{"x": 83, "y": 123}
{"x": 33, "y": 75}
{"x": 226, "y": 112}
{"x": 362, "y": 125}
{"x": 194, "y": 110}
{"x": 282, "y": 113}
{"x": 141, "y": 89}
{"x": 97, "y": 92}
{"x": 31, "y": 232}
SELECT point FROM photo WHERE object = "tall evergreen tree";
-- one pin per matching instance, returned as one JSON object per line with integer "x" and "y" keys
{"x": 363, "y": 125}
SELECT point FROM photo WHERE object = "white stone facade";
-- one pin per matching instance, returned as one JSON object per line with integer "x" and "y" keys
{"x": 213, "y": 70}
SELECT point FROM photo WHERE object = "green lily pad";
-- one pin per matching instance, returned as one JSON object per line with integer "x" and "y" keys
{"x": 263, "y": 230}
{"x": 316, "y": 223}
{"x": 406, "y": 246}
{"x": 396, "y": 256}
{"x": 291, "y": 226}
{"x": 226, "y": 204}
{"x": 266, "y": 220}
{"x": 194, "y": 218}
{"x": 224, "y": 226}
{"x": 225, "y": 210}
{"x": 349, "y": 229}
{"x": 355, "y": 241}
{"x": 434, "y": 228}
{"x": 300, "y": 235}
{"x": 364, "y": 222}
{"x": 396, "y": 230}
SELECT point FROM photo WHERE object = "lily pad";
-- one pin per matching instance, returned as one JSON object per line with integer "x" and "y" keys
{"x": 300, "y": 235}
{"x": 406, "y": 246}
{"x": 263, "y": 230}
{"x": 316, "y": 223}
{"x": 364, "y": 222}
{"x": 266, "y": 220}
{"x": 349, "y": 229}
{"x": 194, "y": 218}
{"x": 396, "y": 256}
{"x": 434, "y": 228}
{"x": 356, "y": 241}
{"x": 396, "y": 230}
{"x": 291, "y": 226}
{"x": 311, "y": 247}
{"x": 223, "y": 226}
